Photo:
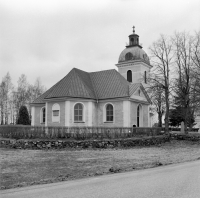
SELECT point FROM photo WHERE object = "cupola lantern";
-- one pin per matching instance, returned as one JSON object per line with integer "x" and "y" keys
{"x": 133, "y": 39}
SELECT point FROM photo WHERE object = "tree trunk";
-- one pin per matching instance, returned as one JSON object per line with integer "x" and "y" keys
{"x": 159, "y": 119}
{"x": 167, "y": 111}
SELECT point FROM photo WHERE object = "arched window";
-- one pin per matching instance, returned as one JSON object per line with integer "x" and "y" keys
{"x": 56, "y": 113}
{"x": 78, "y": 112}
{"x": 109, "y": 113}
{"x": 145, "y": 77}
{"x": 129, "y": 76}
{"x": 42, "y": 115}
{"x": 128, "y": 56}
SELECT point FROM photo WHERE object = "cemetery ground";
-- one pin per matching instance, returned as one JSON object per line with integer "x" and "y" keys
{"x": 30, "y": 167}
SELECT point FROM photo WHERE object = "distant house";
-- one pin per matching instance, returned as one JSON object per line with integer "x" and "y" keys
{"x": 103, "y": 98}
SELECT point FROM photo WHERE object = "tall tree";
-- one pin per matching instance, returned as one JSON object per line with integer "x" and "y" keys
{"x": 162, "y": 58}
{"x": 185, "y": 96}
{"x": 21, "y": 95}
{"x": 156, "y": 94}
{"x": 34, "y": 91}
{"x": 2, "y": 100}
{"x": 5, "y": 96}
{"x": 196, "y": 61}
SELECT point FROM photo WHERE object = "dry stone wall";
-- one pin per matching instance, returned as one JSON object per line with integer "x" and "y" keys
{"x": 84, "y": 144}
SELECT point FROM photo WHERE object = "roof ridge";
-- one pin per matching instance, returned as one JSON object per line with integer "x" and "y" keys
{"x": 84, "y": 84}
{"x": 101, "y": 71}
{"x": 54, "y": 86}
{"x": 145, "y": 93}
{"x": 48, "y": 90}
{"x": 93, "y": 86}
{"x": 94, "y": 90}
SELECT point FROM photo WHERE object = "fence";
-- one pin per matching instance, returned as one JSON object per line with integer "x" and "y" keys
{"x": 76, "y": 133}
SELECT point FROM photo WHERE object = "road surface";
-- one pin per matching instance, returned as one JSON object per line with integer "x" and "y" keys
{"x": 172, "y": 181}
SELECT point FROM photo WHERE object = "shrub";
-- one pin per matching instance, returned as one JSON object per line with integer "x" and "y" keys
{"x": 23, "y": 116}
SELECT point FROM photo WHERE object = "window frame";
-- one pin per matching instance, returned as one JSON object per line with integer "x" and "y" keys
{"x": 79, "y": 114}
{"x": 106, "y": 116}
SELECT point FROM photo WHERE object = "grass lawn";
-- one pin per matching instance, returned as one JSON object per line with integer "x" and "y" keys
{"x": 30, "y": 167}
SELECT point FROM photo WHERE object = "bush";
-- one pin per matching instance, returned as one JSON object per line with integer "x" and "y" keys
{"x": 23, "y": 116}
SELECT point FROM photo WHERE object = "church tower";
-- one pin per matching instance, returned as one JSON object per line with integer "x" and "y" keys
{"x": 133, "y": 63}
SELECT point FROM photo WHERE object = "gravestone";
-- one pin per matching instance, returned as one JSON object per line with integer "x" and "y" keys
{"x": 182, "y": 127}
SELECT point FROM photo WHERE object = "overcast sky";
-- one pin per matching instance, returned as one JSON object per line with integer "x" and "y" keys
{"x": 47, "y": 38}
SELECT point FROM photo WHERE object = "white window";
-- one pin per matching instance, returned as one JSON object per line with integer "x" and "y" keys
{"x": 56, "y": 113}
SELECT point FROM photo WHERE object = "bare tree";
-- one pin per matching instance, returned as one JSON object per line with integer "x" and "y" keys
{"x": 21, "y": 94}
{"x": 2, "y": 100}
{"x": 162, "y": 58}
{"x": 186, "y": 60}
{"x": 196, "y": 61}
{"x": 156, "y": 94}
{"x": 5, "y": 95}
{"x": 34, "y": 91}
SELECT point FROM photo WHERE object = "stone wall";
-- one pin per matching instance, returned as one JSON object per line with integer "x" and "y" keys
{"x": 84, "y": 144}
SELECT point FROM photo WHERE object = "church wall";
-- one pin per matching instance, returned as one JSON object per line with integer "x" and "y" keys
{"x": 144, "y": 115}
{"x": 94, "y": 114}
{"x": 71, "y": 120}
{"x": 35, "y": 113}
{"x": 118, "y": 114}
{"x": 133, "y": 113}
{"x": 137, "y": 71}
{"x": 49, "y": 114}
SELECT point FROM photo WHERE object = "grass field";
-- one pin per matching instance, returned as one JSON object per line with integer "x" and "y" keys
{"x": 30, "y": 167}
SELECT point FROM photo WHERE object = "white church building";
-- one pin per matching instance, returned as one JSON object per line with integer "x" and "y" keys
{"x": 107, "y": 98}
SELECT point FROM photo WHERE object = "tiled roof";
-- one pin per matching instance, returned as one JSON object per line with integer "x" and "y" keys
{"x": 40, "y": 99}
{"x": 95, "y": 85}
{"x": 109, "y": 84}
{"x": 133, "y": 87}
{"x": 76, "y": 83}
